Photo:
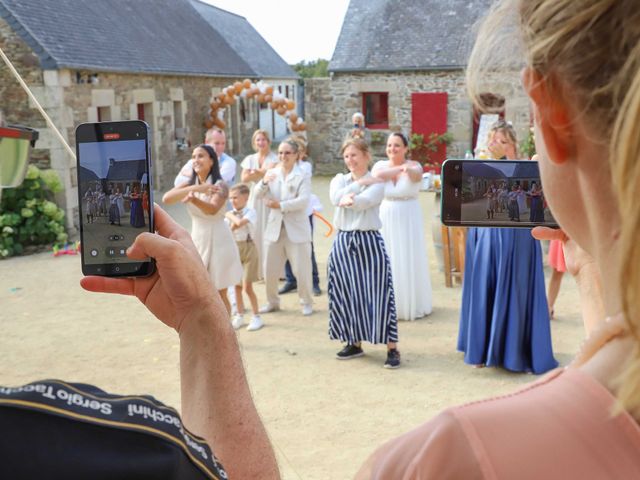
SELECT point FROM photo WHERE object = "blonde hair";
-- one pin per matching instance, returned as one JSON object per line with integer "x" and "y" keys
{"x": 358, "y": 143}
{"x": 262, "y": 132}
{"x": 507, "y": 130}
{"x": 594, "y": 47}
{"x": 241, "y": 188}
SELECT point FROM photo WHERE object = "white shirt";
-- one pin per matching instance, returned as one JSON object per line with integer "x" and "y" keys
{"x": 252, "y": 162}
{"x": 246, "y": 232}
{"x": 364, "y": 213}
{"x": 228, "y": 167}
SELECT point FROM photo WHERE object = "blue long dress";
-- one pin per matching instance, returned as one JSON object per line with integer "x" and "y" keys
{"x": 504, "y": 319}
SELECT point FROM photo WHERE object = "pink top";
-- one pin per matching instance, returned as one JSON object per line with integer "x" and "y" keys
{"x": 559, "y": 427}
{"x": 556, "y": 256}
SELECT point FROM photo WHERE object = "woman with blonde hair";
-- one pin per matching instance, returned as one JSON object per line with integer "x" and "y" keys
{"x": 504, "y": 317}
{"x": 582, "y": 74}
{"x": 254, "y": 167}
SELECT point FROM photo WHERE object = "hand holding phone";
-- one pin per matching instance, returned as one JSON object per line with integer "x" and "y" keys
{"x": 115, "y": 195}
{"x": 494, "y": 193}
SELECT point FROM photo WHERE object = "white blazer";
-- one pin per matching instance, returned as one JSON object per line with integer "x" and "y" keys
{"x": 293, "y": 193}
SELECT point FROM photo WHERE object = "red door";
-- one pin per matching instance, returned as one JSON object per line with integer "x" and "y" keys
{"x": 429, "y": 115}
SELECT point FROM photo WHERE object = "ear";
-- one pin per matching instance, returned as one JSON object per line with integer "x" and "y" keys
{"x": 551, "y": 115}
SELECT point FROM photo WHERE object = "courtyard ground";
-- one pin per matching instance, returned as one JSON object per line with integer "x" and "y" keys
{"x": 323, "y": 416}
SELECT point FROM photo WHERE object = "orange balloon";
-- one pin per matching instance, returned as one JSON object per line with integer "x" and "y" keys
{"x": 214, "y": 105}
{"x": 269, "y": 90}
{"x": 255, "y": 91}
{"x": 302, "y": 126}
{"x": 293, "y": 117}
{"x": 261, "y": 98}
{"x": 268, "y": 98}
{"x": 237, "y": 86}
{"x": 208, "y": 123}
{"x": 246, "y": 83}
{"x": 274, "y": 105}
{"x": 219, "y": 123}
{"x": 249, "y": 93}
{"x": 293, "y": 127}
{"x": 291, "y": 104}
{"x": 281, "y": 110}
{"x": 231, "y": 100}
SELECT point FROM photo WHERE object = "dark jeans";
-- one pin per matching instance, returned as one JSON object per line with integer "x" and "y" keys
{"x": 290, "y": 279}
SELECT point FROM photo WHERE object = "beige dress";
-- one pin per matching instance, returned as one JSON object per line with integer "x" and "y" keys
{"x": 216, "y": 245}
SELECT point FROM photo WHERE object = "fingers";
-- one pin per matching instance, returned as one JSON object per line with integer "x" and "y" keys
{"x": 122, "y": 286}
{"x": 546, "y": 233}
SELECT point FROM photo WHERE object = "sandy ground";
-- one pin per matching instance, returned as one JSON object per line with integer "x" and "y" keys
{"x": 324, "y": 416}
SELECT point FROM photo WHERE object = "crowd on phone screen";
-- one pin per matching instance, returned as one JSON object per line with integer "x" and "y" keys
{"x": 104, "y": 205}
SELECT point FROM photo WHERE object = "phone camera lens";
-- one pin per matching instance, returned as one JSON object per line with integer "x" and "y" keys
{"x": 457, "y": 167}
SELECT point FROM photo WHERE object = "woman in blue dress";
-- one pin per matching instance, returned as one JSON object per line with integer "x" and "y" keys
{"x": 504, "y": 318}
{"x": 137, "y": 213}
{"x": 536, "y": 213}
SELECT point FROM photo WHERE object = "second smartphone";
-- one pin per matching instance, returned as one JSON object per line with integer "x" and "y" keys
{"x": 115, "y": 196}
{"x": 494, "y": 193}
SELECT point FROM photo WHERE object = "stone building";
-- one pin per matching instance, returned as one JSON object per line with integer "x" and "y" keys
{"x": 401, "y": 63}
{"x": 161, "y": 61}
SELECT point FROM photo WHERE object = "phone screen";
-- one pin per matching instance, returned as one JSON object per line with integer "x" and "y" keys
{"x": 115, "y": 195}
{"x": 494, "y": 193}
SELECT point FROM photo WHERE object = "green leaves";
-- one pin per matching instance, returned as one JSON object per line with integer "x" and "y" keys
{"x": 28, "y": 216}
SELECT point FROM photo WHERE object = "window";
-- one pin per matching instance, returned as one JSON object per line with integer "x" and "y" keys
{"x": 375, "y": 107}
{"x": 177, "y": 114}
{"x": 104, "y": 114}
{"x": 145, "y": 112}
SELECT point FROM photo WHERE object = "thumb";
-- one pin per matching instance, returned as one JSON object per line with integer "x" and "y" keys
{"x": 546, "y": 233}
{"x": 152, "y": 245}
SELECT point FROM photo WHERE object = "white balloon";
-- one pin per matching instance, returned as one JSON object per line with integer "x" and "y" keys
{"x": 253, "y": 85}
{"x": 221, "y": 114}
{"x": 277, "y": 95}
{"x": 299, "y": 121}
{"x": 243, "y": 93}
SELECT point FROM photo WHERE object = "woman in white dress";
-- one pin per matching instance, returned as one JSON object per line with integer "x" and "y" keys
{"x": 254, "y": 167}
{"x": 403, "y": 231}
{"x": 205, "y": 195}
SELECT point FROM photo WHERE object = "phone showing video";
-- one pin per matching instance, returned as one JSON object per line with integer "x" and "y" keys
{"x": 494, "y": 193}
{"x": 115, "y": 196}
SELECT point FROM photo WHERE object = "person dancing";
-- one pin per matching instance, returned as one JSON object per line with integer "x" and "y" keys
{"x": 205, "y": 195}
{"x": 360, "y": 285}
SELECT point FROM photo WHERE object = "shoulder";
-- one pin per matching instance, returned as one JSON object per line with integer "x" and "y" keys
{"x": 380, "y": 164}
{"x": 226, "y": 158}
{"x": 425, "y": 452}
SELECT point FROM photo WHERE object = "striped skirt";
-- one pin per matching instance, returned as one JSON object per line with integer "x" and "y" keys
{"x": 361, "y": 301}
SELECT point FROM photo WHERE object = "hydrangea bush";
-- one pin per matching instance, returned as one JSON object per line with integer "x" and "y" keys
{"x": 27, "y": 214}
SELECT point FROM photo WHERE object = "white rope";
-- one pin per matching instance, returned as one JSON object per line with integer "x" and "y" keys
{"x": 38, "y": 106}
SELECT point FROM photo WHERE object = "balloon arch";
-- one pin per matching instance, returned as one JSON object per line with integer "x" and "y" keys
{"x": 263, "y": 93}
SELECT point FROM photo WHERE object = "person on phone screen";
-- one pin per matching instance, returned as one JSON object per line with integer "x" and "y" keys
{"x": 582, "y": 73}
{"x": 205, "y": 194}
{"x": 504, "y": 317}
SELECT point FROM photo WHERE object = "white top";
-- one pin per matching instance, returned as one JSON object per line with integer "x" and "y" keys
{"x": 228, "y": 167}
{"x": 306, "y": 167}
{"x": 252, "y": 162}
{"x": 364, "y": 213}
{"x": 247, "y": 232}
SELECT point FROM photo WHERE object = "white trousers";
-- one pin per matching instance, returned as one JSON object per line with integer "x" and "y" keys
{"x": 275, "y": 256}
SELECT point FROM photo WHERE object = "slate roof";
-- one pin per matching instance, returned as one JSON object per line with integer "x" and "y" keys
{"x": 384, "y": 35}
{"x": 126, "y": 170}
{"x": 151, "y": 36}
{"x": 246, "y": 41}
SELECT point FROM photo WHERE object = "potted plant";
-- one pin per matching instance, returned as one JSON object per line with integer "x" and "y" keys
{"x": 421, "y": 148}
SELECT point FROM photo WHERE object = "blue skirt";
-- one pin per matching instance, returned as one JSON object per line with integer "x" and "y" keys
{"x": 504, "y": 319}
{"x": 137, "y": 214}
{"x": 361, "y": 301}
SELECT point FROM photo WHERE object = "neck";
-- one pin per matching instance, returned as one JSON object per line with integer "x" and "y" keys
{"x": 203, "y": 178}
{"x": 357, "y": 174}
{"x": 286, "y": 168}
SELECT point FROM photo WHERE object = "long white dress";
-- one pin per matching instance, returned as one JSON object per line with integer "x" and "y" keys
{"x": 252, "y": 162}
{"x": 216, "y": 245}
{"x": 403, "y": 233}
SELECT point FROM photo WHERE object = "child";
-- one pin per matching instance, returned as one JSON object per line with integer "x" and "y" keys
{"x": 242, "y": 222}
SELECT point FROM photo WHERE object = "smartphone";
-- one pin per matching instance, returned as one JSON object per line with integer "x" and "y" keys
{"x": 115, "y": 196}
{"x": 494, "y": 193}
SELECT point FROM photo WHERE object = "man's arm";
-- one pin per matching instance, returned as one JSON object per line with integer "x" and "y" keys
{"x": 216, "y": 400}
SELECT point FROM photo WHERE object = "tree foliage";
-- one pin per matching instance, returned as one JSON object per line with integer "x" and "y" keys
{"x": 312, "y": 68}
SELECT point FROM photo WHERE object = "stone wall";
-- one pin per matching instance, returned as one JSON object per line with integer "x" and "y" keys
{"x": 330, "y": 104}
{"x": 72, "y": 97}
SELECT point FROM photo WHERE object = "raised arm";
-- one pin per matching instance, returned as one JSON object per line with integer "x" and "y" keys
{"x": 216, "y": 401}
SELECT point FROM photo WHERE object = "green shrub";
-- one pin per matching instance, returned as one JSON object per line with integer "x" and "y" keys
{"x": 27, "y": 214}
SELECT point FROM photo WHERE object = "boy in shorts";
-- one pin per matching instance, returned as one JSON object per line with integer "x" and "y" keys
{"x": 242, "y": 220}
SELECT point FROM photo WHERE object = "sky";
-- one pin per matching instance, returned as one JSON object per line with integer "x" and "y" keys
{"x": 95, "y": 155}
{"x": 296, "y": 29}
